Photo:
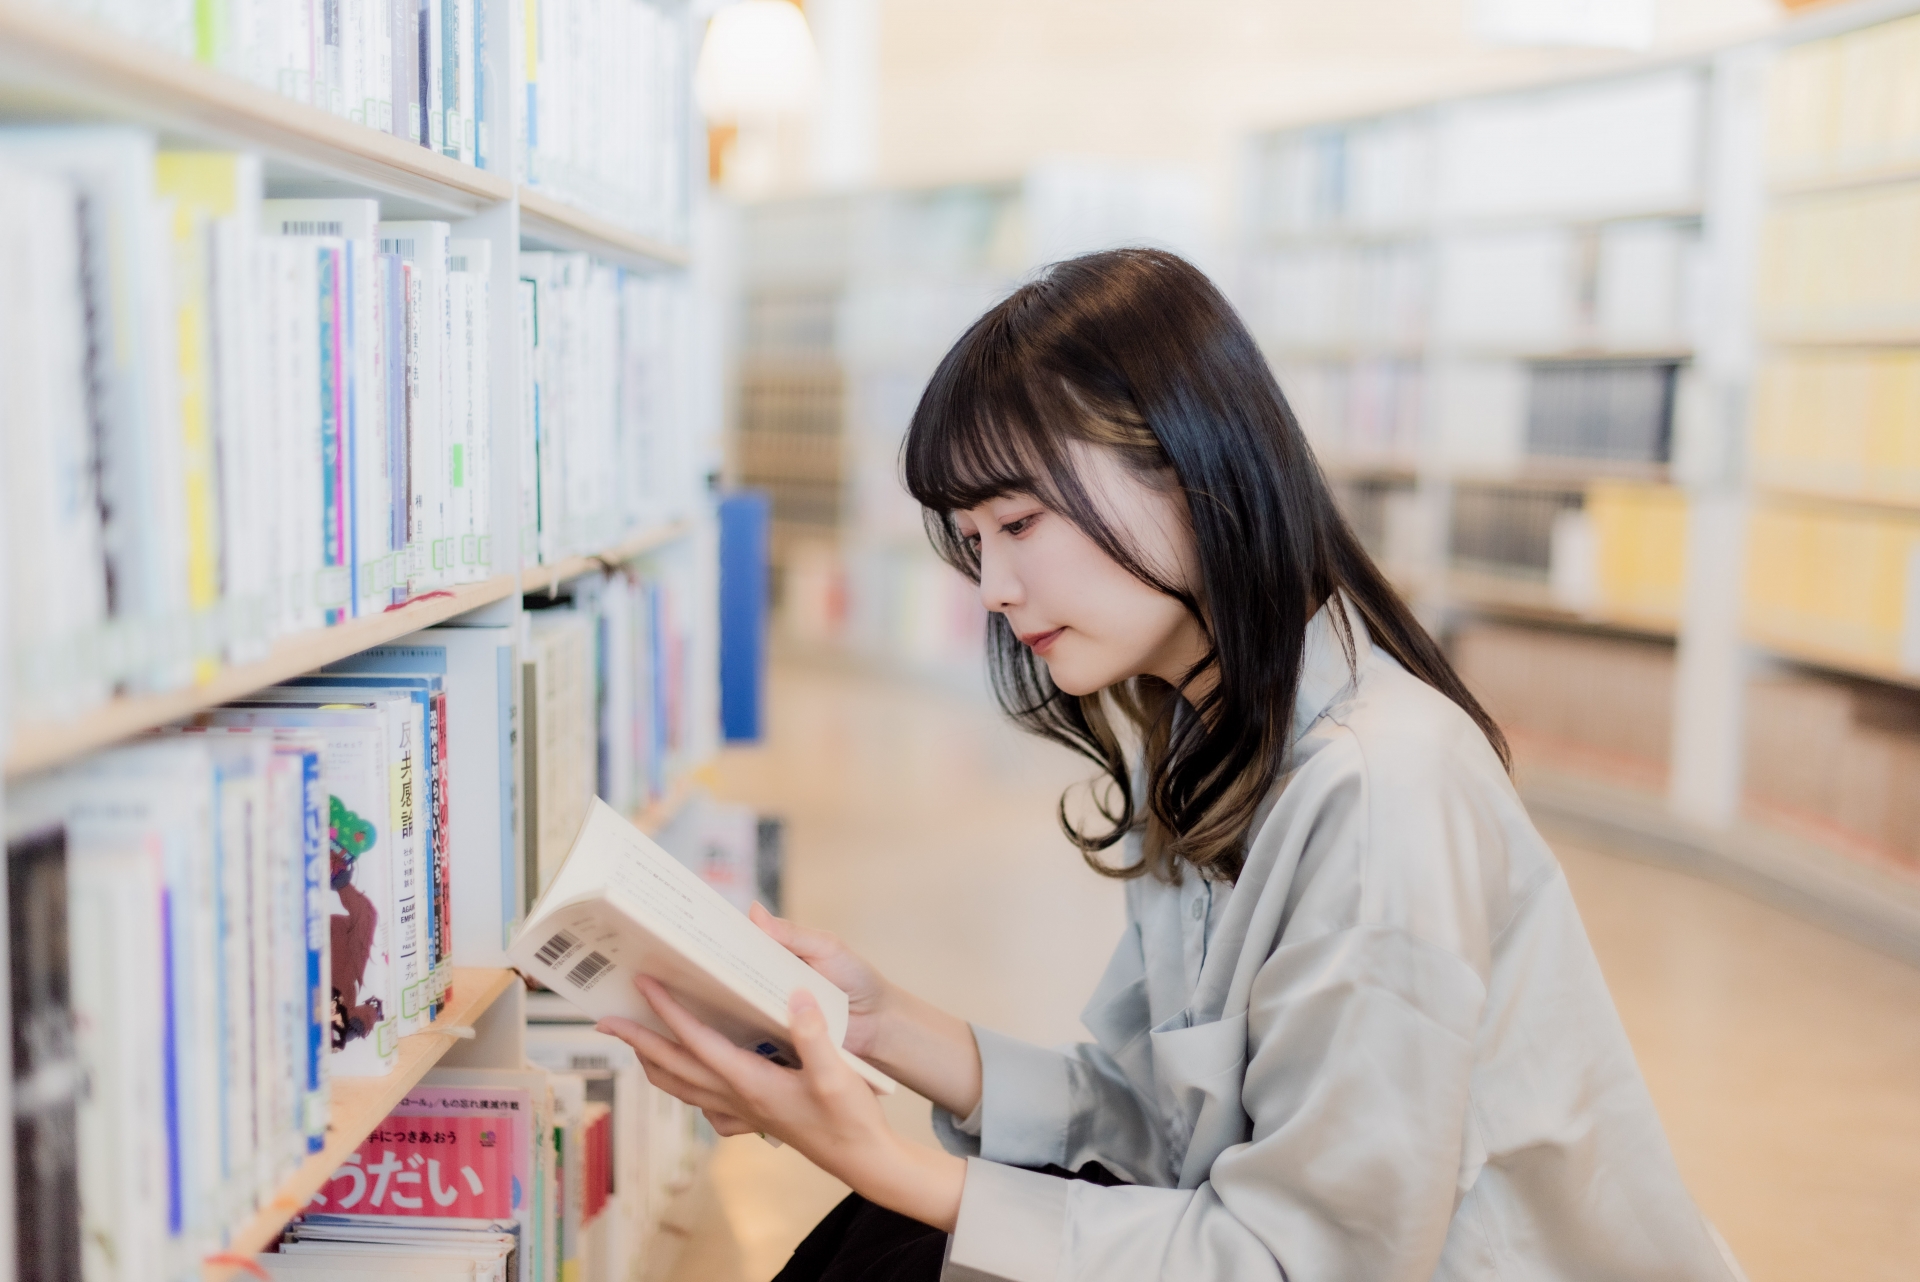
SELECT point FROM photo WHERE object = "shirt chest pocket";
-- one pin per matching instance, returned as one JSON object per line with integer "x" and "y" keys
{"x": 1198, "y": 1072}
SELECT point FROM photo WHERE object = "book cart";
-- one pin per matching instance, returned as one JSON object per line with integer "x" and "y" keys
{"x": 1573, "y": 356}
{"x": 56, "y": 68}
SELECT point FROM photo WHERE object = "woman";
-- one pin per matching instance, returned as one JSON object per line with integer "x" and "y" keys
{"x": 1354, "y": 1029}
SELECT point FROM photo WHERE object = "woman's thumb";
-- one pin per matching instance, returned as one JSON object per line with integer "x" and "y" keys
{"x": 808, "y": 1024}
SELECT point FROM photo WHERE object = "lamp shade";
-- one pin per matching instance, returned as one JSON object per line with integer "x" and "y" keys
{"x": 758, "y": 60}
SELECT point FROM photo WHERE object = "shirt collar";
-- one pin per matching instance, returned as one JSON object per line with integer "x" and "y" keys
{"x": 1325, "y": 672}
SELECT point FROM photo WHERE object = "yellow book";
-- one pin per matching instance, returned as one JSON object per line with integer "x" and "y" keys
{"x": 1837, "y": 583}
{"x": 203, "y": 187}
{"x": 1640, "y": 532}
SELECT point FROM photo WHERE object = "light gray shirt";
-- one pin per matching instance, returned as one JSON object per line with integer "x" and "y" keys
{"x": 1386, "y": 1052}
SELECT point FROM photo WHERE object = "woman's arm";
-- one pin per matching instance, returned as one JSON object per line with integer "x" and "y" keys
{"x": 914, "y": 1042}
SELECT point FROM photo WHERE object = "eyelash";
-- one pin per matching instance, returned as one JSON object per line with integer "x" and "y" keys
{"x": 1015, "y": 528}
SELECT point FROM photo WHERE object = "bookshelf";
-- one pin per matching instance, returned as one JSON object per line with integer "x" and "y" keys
{"x": 359, "y": 1105}
{"x": 57, "y": 70}
{"x": 1790, "y": 455}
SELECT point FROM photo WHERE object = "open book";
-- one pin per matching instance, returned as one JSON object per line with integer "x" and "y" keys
{"x": 620, "y": 906}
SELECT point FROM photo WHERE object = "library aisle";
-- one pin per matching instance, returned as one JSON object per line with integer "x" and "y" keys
{"x": 919, "y": 827}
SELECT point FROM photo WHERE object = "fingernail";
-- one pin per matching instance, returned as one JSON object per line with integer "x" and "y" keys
{"x": 804, "y": 1000}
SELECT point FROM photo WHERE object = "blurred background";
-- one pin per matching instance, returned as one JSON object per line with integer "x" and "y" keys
{"x": 1604, "y": 321}
{"x": 550, "y": 360}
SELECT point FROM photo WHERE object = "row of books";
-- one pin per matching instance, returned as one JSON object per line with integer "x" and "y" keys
{"x": 1357, "y": 411}
{"x": 607, "y": 703}
{"x": 1578, "y": 701}
{"x": 1623, "y": 286}
{"x": 604, "y": 445}
{"x": 1509, "y": 530}
{"x": 555, "y": 1172}
{"x": 1837, "y": 582}
{"x": 1839, "y": 422}
{"x": 607, "y": 120}
{"x": 1609, "y": 145}
{"x": 1836, "y": 760}
{"x": 1843, "y": 265}
{"x": 416, "y": 69}
{"x": 229, "y": 418}
{"x": 1846, "y": 103}
{"x": 603, "y": 123}
{"x": 1623, "y": 553}
{"x": 1607, "y": 411}
{"x": 271, "y": 897}
{"x": 226, "y": 418}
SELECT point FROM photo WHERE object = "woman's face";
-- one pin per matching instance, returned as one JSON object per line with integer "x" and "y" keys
{"x": 1077, "y": 608}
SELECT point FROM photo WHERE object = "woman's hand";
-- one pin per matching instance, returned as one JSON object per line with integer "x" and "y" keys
{"x": 917, "y": 1044}
{"x": 823, "y": 1108}
{"x": 867, "y": 991}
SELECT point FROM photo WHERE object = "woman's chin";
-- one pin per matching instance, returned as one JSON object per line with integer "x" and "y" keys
{"x": 1075, "y": 679}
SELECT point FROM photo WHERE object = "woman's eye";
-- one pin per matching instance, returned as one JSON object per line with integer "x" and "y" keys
{"x": 1019, "y": 527}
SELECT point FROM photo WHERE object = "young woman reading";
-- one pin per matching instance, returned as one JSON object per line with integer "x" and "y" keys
{"x": 1354, "y": 1029}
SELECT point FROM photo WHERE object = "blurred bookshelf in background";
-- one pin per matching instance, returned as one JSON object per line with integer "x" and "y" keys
{"x": 1516, "y": 327}
{"x": 848, "y": 303}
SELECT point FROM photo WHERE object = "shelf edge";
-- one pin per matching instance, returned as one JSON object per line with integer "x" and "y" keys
{"x": 91, "y": 62}
{"x": 546, "y": 219}
{"x": 39, "y": 746}
{"x": 418, "y": 1053}
{"x": 548, "y": 577}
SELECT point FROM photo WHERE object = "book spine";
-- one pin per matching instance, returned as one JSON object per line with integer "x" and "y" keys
{"x": 314, "y": 1007}
{"x": 442, "y": 853}
{"x": 335, "y": 552}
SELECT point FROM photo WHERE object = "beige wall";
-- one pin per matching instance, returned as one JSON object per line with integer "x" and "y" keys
{"x": 980, "y": 88}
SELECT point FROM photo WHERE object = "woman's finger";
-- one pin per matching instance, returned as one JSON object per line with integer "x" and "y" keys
{"x": 649, "y": 1045}
{"x": 819, "y": 1054}
{"x": 739, "y": 1069}
{"x": 728, "y": 1126}
{"x": 801, "y": 941}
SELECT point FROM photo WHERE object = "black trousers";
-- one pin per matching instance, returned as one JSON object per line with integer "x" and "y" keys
{"x": 861, "y": 1242}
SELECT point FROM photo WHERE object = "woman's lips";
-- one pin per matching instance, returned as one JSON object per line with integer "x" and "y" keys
{"x": 1039, "y": 642}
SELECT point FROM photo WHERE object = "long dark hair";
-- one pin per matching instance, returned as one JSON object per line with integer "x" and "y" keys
{"x": 1135, "y": 350}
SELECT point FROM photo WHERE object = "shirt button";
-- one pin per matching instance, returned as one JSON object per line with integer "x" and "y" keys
{"x": 1199, "y": 909}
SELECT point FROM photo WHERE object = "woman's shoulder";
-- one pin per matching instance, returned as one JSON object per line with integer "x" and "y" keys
{"x": 1402, "y": 815}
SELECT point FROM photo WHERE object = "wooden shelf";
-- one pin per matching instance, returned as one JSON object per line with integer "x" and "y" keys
{"x": 1831, "y": 660}
{"x": 359, "y": 1105}
{"x": 36, "y": 746}
{"x": 548, "y": 578}
{"x": 1531, "y": 602}
{"x": 552, "y": 223}
{"x": 56, "y": 67}
{"x": 40, "y": 745}
{"x": 1846, "y": 180}
{"x": 1908, "y": 506}
{"x": 1894, "y": 336}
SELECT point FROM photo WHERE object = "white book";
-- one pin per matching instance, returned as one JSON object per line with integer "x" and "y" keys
{"x": 130, "y": 298}
{"x": 424, "y": 247}
{"x": 367, "y": 429}
{"x": 622, "y": 907}
{"x": 55, "y": 565}
{"x": 472, "y": 266}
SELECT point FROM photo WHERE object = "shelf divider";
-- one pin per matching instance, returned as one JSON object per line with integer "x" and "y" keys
{"x": 359, "y": 1105}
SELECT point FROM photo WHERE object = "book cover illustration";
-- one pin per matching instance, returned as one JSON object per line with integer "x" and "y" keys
{"x": 354, "y": 925}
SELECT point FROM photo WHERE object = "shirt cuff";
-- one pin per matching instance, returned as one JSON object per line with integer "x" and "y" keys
{"x": 1026, "y": 1102}
{"x": 1012, "y": 1226}
{"x": 960, "y": 1138}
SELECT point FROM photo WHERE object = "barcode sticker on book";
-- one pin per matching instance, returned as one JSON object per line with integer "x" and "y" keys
{"x": 401, "y": 245}
{"x": 554, "y": 949}
{"x": 588, "y": 970}
{"x": 310, "y": 227}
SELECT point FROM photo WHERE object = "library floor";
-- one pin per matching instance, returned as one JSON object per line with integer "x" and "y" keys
{"x": 1785, "y": 1061}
